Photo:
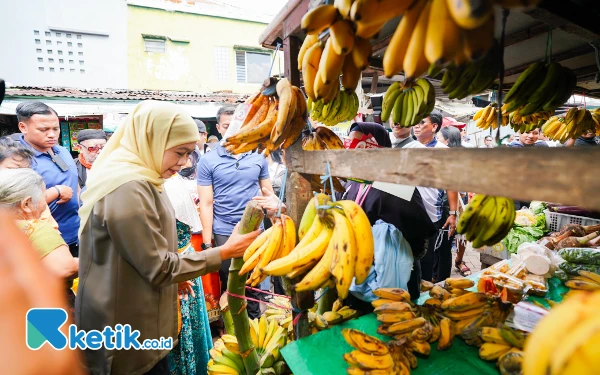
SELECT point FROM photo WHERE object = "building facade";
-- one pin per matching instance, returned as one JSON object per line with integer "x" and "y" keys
{"x": 198, "y": 46}
{"x": 73, "y": 43}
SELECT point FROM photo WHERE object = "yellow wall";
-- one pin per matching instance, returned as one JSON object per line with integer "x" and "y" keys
{"x": 187, "y": 66}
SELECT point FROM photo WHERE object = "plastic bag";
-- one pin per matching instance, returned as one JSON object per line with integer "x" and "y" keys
{"x": 393, "y": 262}
{"x": 539, "y": 259}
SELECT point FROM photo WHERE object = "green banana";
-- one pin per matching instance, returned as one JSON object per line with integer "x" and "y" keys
{"x": 235, "y": 358}
{"x": 469, "y": 213}
{"x": 407, "y": 108}
{"x": 531, "y": 84}
{"x": 544, "y": 91}
{"x": 317, "y": 109}
{"x": 389, "y": 99}
{"x": 487, "y": 208}
{"x": 564, "y": 90}
{"x": 531, "y": 71}
{"x": 398, "y": 108}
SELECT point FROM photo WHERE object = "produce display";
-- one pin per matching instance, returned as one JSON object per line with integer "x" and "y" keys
{"x": 529, "y": 226}
{"x": 274, "y": 243}
{"x": 272, "y": 122}
{"x": 486, "y": 220}
{"x": 408, "y": 103}
{"x": 338, "y": 314}
{"x": 336, "y": 246}
{"x": 574, "y": 123}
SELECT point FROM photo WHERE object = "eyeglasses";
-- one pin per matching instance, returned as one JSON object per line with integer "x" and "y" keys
{"x": 94, "y": 148}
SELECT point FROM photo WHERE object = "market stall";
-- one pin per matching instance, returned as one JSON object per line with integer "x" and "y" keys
{"x": 564, "y": 175}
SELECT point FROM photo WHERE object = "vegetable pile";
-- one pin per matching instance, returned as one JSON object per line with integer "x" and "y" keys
{"x": 529, "y": 226}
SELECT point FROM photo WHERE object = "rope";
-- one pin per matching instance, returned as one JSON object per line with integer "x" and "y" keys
{"x": 322, "y": 294}
{"x": 548, "y": 56}
{"x": 282, "y": 192}
{"x": 265, "y": 292}
{"x": 505, "y": 13}
{"x": 273, "y": 62}
{"x": 324, "y": 179}
{"x": 262, "y": 302}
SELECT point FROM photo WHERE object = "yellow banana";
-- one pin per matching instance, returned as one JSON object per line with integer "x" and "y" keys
{"x": 319, "y": 274}
{"x": 273, "y": 246}
{"x": 415, "y": 63}
{"x": 342, "y": 37}
{"x": 344, "y": 254}
{"x": 421, "y": 347}
{"x": 364, "y": 236}
{"x": 253, "y": 260}
{"x": 343, "y": 6}
{"x": 406, "y": 326}
{"x": 377, "y": 11}
{"x": 370, "y": 361}
{"x": 350, "y": 74}
{"x": 310, "y": 66}
{"x": 433, "y": 302}
{"x": 465, "y": 302}
{"x": 288, "y": 102}
{"x": 368, "y": 31}
{"x": 250, "y": 133}
{"x": 395, "y": 53}
{"x": 470, "y": 14}
{"x": 391, "y": 306}
{"x": 478, "y": 41}
{"x": 467, "y": 314}
{"x": 319, "y": 18}
{"x": 257, "y": 243}
{"x": 364, "y": 342}
{"x": 380, "y": 302}
{"x": 309, "y": 215}
{"x": 308, "y": 42}
{"x": 391, "y": 318}
{"x": 582, "y": 285}
{"x": 222, "y": 369}
{"x": 331, "y": 64}
{"x": 361, "y": 53}
{"x": 289, "y": 236}
{"x": 491, "y": 352}
{"x": 459, "y": 282}
{"x": 443, "y": 35}
{"x": 490, "y": 334}
{"x": 395, "y": 294}
{"x": 296, "y": 259}
{"x": 590, "y": 275}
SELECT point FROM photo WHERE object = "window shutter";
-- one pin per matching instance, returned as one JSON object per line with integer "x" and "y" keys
{"x": 240, "y": 66}
{"x": 155, "y": 45}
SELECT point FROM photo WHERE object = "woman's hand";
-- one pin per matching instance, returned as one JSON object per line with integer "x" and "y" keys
{"x": 237, "y": 243}
{"x": 269, "y": 202}
{"x": 184, "y": 289}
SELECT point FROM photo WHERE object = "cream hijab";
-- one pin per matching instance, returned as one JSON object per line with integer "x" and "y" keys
{"x": 136, "y": 149}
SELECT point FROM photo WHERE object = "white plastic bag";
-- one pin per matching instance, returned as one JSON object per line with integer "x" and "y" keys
{"x": 393, "y": 262}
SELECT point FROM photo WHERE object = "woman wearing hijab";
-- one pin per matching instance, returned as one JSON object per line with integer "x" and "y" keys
{"x": 191, "y": 355}
{"x": 128, "y": 260}
{"x": 409, "y": 217}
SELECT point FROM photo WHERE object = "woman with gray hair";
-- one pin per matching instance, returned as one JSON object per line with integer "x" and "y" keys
{"x": 22, "y": 191}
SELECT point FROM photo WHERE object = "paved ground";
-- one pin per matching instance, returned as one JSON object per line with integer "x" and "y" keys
{"x": 471, "y": 258}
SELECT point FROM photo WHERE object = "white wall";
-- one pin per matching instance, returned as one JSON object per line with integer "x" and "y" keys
{"x": 101, "y": 25}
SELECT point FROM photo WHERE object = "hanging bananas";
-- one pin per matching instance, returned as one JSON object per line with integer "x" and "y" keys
{"x": 576, "y": 122}
{"x": 343, "y": 108}
{"x": 322, "y": 139}
{"x": 486, "y": 220}
{"x": 488, "y": 117}
{"x": 408, "y": 105}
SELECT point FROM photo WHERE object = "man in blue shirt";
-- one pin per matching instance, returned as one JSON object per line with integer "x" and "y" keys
{"x": 226, "y": 183}
{"x": 41, "y": 132}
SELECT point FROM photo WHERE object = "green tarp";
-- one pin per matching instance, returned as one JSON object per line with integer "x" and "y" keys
{"x": 321, "y": 354}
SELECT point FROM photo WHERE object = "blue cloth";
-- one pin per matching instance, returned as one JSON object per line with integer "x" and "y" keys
{"x": 190, "y": 356}
{"x": 433, "y": 142}
{"x": 67, "y": 214}
{"x": 393, "y": 263}
{"x": 234, "y": 182}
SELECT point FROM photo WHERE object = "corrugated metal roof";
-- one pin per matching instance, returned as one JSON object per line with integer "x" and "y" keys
{"x": 109, "y": 94}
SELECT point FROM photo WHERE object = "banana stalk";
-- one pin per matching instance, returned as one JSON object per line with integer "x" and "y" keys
{"x": 253, "y": 216}
{"x": 326, "y": 302}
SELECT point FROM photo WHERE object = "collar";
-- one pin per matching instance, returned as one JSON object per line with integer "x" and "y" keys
{"x": 223, "y": 152}
{"x": 399, "y": 140}
{"x": 35, "y": 151}
{"x": 433, "y": 142}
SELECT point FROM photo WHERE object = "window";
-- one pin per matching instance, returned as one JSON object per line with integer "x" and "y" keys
{"x": 48, "y": 33}
{"x": 62, "y": 70}
{"x": 222, "y": 63}
{"x": 80, "y": 62}
{"x": 41, "y": 68}
{"x": 48, "y": 42}
{"x": 51, "y": 70}
{"x": 80, "y": 53}
{"x": 39, "y": 50}
{"x": 59, "y": 43}
{"x": 60, "y": 52}
{"x": 69, "y": 44}
{"x": 51, "y": 61}
{"x": 36, "y": 32}
{"x": 70, "y": 53}
{"x": 37, "y": 41}
{"x": 68, "y": 36}
{"x": 40, "y": 59}
{"x": 252, "y": 67}
{"x": 80, "y": 45}
{"x": 49, "y": 52}
{"x": 72, "y": 70}
{"x": 78, "y": 36}
{"x": 61, "y": 61}
{"x": 70, "y": 61}
{"x": 58, "y": 35}
{"x": 82, "y": 71}
{"x": 155, "y": 45}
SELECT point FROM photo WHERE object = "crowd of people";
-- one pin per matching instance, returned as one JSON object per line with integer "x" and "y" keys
{"x": 134, "y": 221}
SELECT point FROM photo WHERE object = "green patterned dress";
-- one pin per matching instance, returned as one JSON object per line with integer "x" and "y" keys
{"x": 191, "y": 356}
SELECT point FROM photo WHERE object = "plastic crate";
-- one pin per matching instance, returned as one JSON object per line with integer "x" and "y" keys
{"x": 556, "y": 220}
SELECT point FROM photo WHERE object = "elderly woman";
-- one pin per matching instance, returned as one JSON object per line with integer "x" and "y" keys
{"x": 130, "y": 263}
{"x": 22, "y": 191}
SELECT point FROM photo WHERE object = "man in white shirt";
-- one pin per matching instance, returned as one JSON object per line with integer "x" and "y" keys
{"x": 488, "y": 142}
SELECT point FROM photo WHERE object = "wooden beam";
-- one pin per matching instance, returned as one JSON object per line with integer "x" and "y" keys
{"x": 564, "y": 175}
{"x": 529, "y": 33}
{"x": 374, "y": 82}
{"x": 274, "y": 30}
{"x": 382, "y": 44}
{"x": 291, "y": 47}
{"x": 571, "y": 18}
{"x": 571, "y": 54}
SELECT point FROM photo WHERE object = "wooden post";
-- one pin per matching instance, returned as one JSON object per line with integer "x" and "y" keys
{"x": 291, "y": 47}
{"x": 374, "y": 82}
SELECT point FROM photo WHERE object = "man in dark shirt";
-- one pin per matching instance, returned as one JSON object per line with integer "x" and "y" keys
{"x": 90, "y": 144}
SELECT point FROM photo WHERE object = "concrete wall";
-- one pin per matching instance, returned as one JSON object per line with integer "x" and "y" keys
{"x": 193, "y": 65}
{"x": 98, "y": 37}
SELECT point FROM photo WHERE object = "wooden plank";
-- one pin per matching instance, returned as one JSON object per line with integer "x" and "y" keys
{"x": 529, "y": 33}
{"x": 572, "y": 18}
{"x": 565, "y": 175}
{"x": 291, "y": 47}
{"x": 382, "y": 44}
{"x": 570, "y": 54}
{"x": 374, "y": 82}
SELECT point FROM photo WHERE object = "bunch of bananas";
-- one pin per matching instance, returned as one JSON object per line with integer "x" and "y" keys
{"x": 282, "y": 314}
{"x": 498, "y": 341}
{"x": 267, "y": 337}
{"x": 439, "y": 32}
{"x": 372, "y": 356}
{"x": 271, "y": 123}
{"x": 566, "y": 340}
{"x": 338, "y": 314}
{"x": 576, "y": 122}
{"x": 322, "y": 139}
{"x": 346, "y": 52}
{"x": 488, "y": 117}
{"x": 586, "y": 280}
{"x": 516, "y": 118}
{"x": 408, "y": 105}
{"x": 486, "y": 220}
{"x": 343, "y": 108}
{"x": 329, "y": 247}
{"x": 596, "y": 118}
{"x": 274, "y": 243}
{"x": 541, "y": 87}
{"x": 426, "y": 286}
{"x": 472, "y": 77}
